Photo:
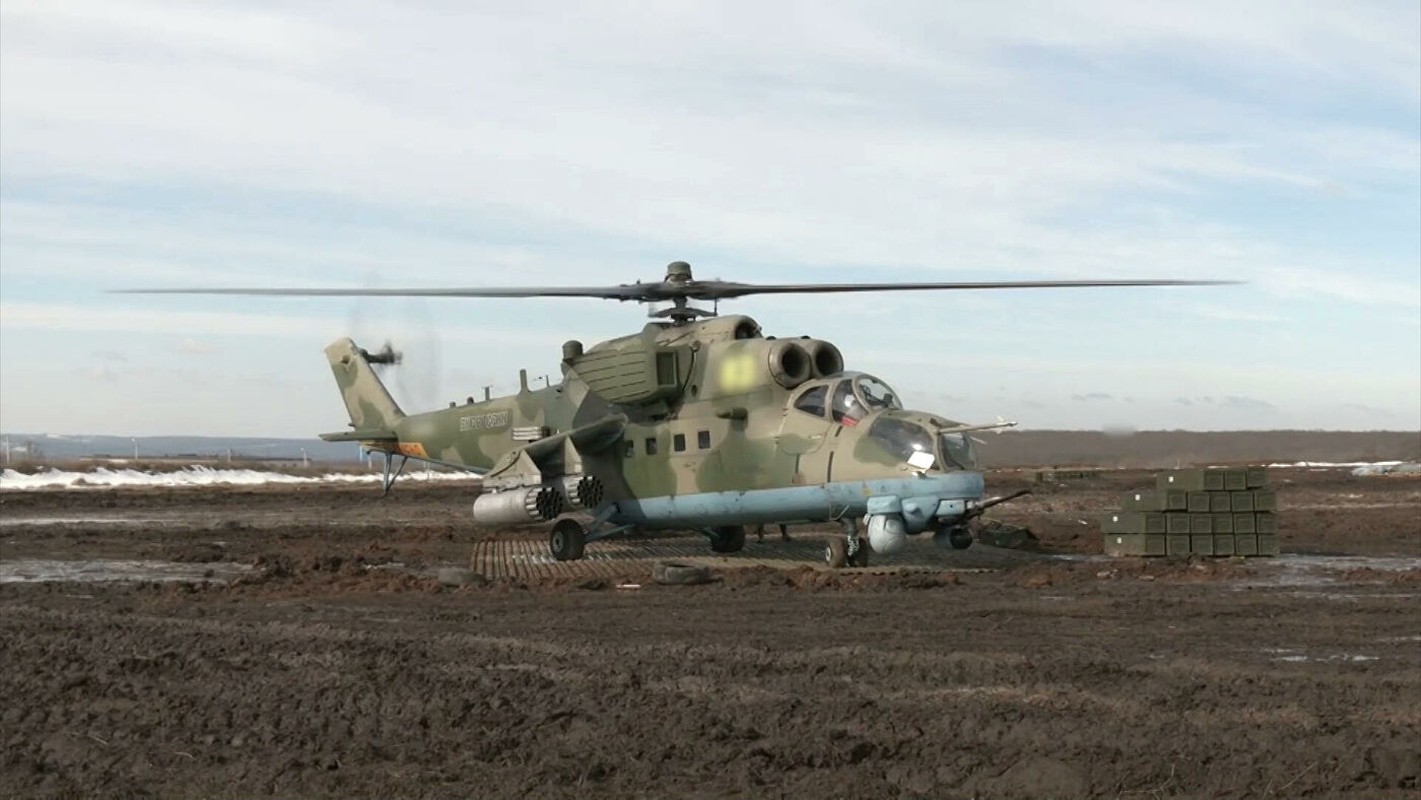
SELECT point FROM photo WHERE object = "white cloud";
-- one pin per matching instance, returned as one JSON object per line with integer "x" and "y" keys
{"x": 570, "y": 126}
{"x": 1345, "y": 285}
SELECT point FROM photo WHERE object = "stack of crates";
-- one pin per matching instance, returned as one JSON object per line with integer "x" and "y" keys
{"x": 1210, "y": 512}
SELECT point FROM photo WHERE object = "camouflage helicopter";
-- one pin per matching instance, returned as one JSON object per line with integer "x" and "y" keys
{"x": 699, "y": 421}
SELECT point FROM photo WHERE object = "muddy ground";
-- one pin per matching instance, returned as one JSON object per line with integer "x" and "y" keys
{"x": 321, "y": 658}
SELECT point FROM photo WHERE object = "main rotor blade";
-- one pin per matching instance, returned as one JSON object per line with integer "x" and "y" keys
{"x": 671, "y": 290}
{"x": 720, "y": 290}
{"x": 607, "y": 292}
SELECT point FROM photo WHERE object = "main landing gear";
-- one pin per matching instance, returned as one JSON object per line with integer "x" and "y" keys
{"x": 848, "y": 549}
{"x": 567, "y": 540}
{"x": 727, "y": 538}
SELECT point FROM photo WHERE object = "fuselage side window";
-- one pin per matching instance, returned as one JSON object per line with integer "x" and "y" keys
{"x": 703, "y": 440}
{"x": 678, "y": 442}
{"x": 846, "y": 407}
{"x": 651, "y": 445}
{"x": 812, "y": 401}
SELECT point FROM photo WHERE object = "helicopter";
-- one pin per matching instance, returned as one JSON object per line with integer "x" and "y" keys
{"x": 699, "y": 421}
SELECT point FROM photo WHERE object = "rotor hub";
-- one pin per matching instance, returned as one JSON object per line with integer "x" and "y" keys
{"x": 678, "y": 272}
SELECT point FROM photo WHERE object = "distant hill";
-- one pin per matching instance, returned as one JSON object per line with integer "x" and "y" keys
{"x": 1160, "y": 449}
{"x": 1147, "y": 449}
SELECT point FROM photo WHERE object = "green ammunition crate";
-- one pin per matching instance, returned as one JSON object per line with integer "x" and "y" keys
{"x": 1242, "y": 502}
{"x": 1203, "y": 545}
{"x": 1243, "y": 523}
{"x": 1265, "y": 500}
{"x": 1133, "y": 544}
{"x": 1256, "y": 477}
{"x": 1265, "y": 524}
{"x": 1177, "y": 545}
{"x": 1198, "y": 502}
{"x": 1157, "y": 500}
{"x": 1133, "y": 522}
{"x": 1220, "y": 502}
{"x": 1176, "y": 522}
{"x": 1245, "y": 544}
{"x": 1201, "y": 523}
{"x": 1235, "y": 480}
{"x": 1267, "y": 545}
{"x": 1223, "y": 544}
{"x": 1223, "y": 523}
{"x": 1191, "y": 480}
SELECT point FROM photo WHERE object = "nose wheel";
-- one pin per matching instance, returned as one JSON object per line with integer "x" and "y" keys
{"x": 958, "y": 537}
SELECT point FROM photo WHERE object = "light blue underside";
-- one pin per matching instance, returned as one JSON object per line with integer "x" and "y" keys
{"x": 821, "y": 503}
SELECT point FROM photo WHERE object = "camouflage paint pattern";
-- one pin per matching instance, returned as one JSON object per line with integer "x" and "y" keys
{"x": 675, "y": 410}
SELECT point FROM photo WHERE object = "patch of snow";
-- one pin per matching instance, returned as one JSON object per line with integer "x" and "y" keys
{"x": 1387, "y": 469}
{"x": 1335, "y": 464}
{"x": 1346, "y": 657}
{"x": 103, "y": 478}
{"x": 77, "y": 521}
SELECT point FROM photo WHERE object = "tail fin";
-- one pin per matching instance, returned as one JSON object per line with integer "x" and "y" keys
{"x": 370, "y": 405}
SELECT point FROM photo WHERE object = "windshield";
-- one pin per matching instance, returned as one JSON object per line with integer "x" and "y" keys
{"x": 875, "y": 394}
{"x": 901, "y": 439}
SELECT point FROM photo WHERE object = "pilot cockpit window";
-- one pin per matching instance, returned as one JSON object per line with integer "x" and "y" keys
{"x": 812, "y": 401}
{"x": 875, "y": 394}
{"x": 957, "y": 448}
{"x": 901, "y": 439}
{"x": 846, "y": 408}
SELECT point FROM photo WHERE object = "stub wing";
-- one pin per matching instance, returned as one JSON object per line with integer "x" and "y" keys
{"x": 557, "y": 455}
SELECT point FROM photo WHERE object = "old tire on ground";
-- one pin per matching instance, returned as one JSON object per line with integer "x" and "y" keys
{"x": 836, "y": 553}
{"x": 458, "y": 576}
{"x": 728, "y": 539}
{"x": 671, "y": 573}
{"x": 860, "y": 558}
{"x": 567, "y": 540}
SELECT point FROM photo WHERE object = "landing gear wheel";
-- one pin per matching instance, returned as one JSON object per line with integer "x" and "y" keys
{"x": 860, "y": 556}
{"x": 567, "y": 540}
{"x": 728, "y": 539}
{"x": 836, "y": 553}
{"x": 959, "y": 538}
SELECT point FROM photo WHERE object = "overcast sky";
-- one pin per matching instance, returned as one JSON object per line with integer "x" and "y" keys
{"x": 363, "y": 144}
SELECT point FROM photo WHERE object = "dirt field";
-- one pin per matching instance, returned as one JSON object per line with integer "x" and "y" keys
{"x": 298, "y": 645}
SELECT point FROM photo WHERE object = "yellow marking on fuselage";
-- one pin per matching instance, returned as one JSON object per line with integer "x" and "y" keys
{"x": 737, "y": 372}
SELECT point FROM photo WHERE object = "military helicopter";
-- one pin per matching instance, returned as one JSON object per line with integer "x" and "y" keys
{"x": 699, "y": 421}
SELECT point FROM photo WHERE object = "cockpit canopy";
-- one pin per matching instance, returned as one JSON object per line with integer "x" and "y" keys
{"x": 846, "y": 398}
{"x": 850, "y": 397}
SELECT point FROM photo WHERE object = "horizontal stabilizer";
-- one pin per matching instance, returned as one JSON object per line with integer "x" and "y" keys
{"x": 368, "y": 435}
